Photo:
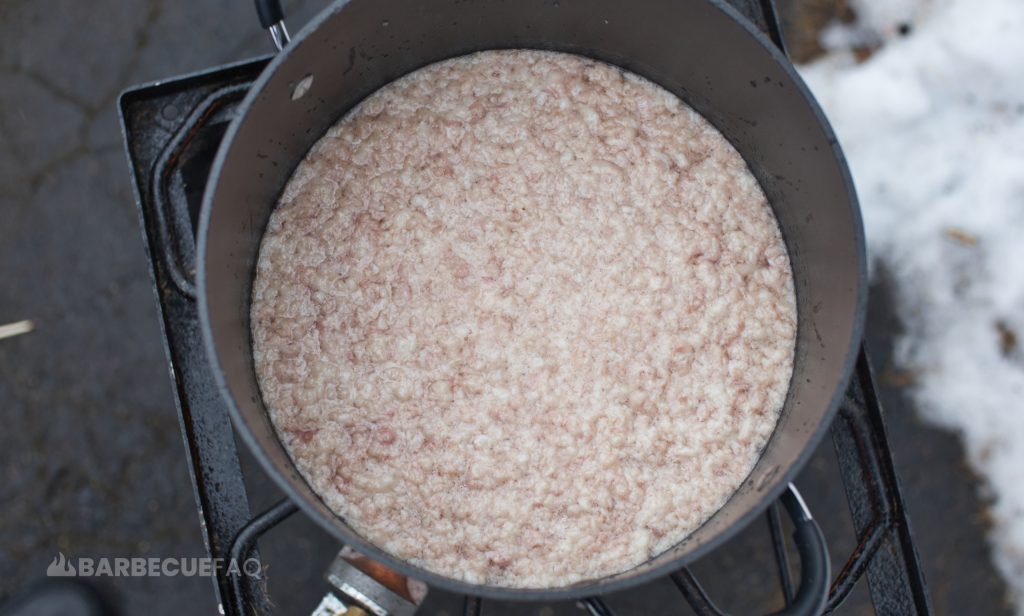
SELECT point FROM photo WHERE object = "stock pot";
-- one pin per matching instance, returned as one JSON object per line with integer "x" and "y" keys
{"x": 705, "y": 52}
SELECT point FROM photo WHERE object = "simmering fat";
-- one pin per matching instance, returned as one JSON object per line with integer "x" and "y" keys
{"x": 523, "y": 319}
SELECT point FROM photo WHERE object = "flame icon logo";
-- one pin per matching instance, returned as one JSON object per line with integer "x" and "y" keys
{"x": 60, "y": 567}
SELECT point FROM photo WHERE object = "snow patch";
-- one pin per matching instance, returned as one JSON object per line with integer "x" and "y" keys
{"x": 933, "y": 127}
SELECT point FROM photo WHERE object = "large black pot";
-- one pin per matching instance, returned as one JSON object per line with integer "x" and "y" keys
{"x": 702, "y": 51}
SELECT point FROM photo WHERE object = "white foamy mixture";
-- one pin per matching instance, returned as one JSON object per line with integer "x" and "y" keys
{"x": 523, "y": 319}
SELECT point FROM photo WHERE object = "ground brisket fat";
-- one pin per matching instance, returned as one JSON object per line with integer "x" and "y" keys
{"x": 523, "y": 319}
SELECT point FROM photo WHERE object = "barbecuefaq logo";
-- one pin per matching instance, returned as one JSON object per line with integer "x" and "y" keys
{"x": 137, "y": 566}
{"x": 60, "y": 567}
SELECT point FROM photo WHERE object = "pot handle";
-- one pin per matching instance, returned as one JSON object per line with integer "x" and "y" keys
{"x": 815, "y": 570}
{"x": 272, "y": 19}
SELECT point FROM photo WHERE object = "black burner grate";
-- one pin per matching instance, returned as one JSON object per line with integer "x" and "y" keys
{"x": 172, "y": 130}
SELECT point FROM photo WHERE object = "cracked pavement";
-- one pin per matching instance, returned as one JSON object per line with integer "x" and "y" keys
{"x": 93, "y": 463}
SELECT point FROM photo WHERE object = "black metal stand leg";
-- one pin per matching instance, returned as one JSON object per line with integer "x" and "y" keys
{"x": 781, "y": 555}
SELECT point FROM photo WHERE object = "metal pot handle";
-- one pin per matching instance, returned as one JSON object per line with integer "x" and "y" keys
{"x": 272, "y": 19}
{"x": 815, "y": 570}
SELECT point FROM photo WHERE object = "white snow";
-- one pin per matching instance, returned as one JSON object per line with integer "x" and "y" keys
{"x": 933, "y": 127}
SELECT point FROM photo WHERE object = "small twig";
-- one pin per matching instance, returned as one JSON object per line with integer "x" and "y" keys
{"x": 961, "y": 237}
{"x": 16, "y": 329}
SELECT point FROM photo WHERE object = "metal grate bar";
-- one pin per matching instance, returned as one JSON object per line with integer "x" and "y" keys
{"x": 213, "y": 463}
{"x": 781, "y": 555}
{"x": 694, "y": 593}
{"x": 249, "y": 593}
{"x": 472, "y": 606}
{"x": 885, "y": 549}
{"x": 171, "y": 223}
